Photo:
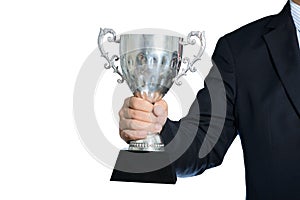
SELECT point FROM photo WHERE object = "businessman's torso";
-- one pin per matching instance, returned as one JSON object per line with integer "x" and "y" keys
{"x": 267, "y": 105}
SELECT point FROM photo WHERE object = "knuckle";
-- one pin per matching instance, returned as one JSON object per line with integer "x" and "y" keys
{"x": 126, "y": 137}
{"x": 120, "y": 113}
{"x": 125, "y": 112}
{"x": 126, "y": 102}
{"x": 123, "y": 135}
{"x": 121, "y": 127}
{"x": 132, "y": 102}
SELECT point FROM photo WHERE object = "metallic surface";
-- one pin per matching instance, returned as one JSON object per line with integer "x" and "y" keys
{"x": 151, "y": 143}
{"x": 110, "y": 61}
{"x": 150, "y": 64}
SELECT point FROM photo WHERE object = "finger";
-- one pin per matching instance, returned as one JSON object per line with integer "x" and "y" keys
{"x": 162, "y": 120}
{"x": 128, "y": 135}
{"x": 132, "y": 124}
{"x": 160, "y": 108}
{"x": 129, "y": 113}
{"x": 126, "y": 103}
{"x": 139, "y": 104}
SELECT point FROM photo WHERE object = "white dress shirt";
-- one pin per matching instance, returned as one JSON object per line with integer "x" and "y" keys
{"x": 295, "y": 11}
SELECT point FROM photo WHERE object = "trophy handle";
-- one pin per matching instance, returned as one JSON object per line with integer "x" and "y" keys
{"x": 186, "y": 60}
{"x": 110, "y": 61}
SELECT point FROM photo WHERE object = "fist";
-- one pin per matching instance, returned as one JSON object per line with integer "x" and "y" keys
{"x": 139, "y": 117}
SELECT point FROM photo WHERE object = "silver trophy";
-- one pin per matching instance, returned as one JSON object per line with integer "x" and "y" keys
{"x": 150, "y": 64}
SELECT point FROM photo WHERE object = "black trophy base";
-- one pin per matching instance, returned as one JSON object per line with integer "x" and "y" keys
{"x": 129, "y": 160}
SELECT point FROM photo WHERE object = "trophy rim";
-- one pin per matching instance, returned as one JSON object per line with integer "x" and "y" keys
{"x": 149, "y": 34}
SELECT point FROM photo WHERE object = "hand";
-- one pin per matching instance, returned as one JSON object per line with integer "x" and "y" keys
{"x": 139, "y": 117}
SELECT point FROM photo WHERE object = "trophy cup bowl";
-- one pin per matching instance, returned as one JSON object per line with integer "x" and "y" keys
{"x": 150, "y": 64}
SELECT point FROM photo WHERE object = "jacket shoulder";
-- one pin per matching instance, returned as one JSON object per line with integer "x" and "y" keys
{"x": 257, "y": 27}
{"x": 248, "y": 36}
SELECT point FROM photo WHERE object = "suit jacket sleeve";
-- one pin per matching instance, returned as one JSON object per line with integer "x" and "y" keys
{"x": 193, "y": 128}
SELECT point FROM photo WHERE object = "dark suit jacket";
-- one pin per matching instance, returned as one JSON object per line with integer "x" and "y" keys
{"x": 260, "y": 67}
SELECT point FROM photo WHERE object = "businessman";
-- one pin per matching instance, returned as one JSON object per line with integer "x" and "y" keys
{"x": 260, "y": 69}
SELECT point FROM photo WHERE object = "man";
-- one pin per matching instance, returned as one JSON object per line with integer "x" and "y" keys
{"x": 260, "y": 68}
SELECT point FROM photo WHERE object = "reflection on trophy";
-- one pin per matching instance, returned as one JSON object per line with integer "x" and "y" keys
{"x": 150, "y": 64}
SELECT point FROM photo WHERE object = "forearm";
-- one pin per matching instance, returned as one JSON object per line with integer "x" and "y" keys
{"x": 185, "y": 138}
{"x": 201, "y": 139}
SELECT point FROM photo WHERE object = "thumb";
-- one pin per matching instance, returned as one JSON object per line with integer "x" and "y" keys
{"x": 160, "y": 108}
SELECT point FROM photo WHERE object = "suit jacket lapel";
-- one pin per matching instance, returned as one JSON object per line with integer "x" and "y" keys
{"x": 283, "y": 46}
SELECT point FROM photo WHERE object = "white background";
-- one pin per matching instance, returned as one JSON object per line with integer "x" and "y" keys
{"x": 43, "y": 45}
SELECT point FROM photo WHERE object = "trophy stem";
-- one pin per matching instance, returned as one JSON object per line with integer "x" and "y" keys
{"x": 151, "y": 143}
